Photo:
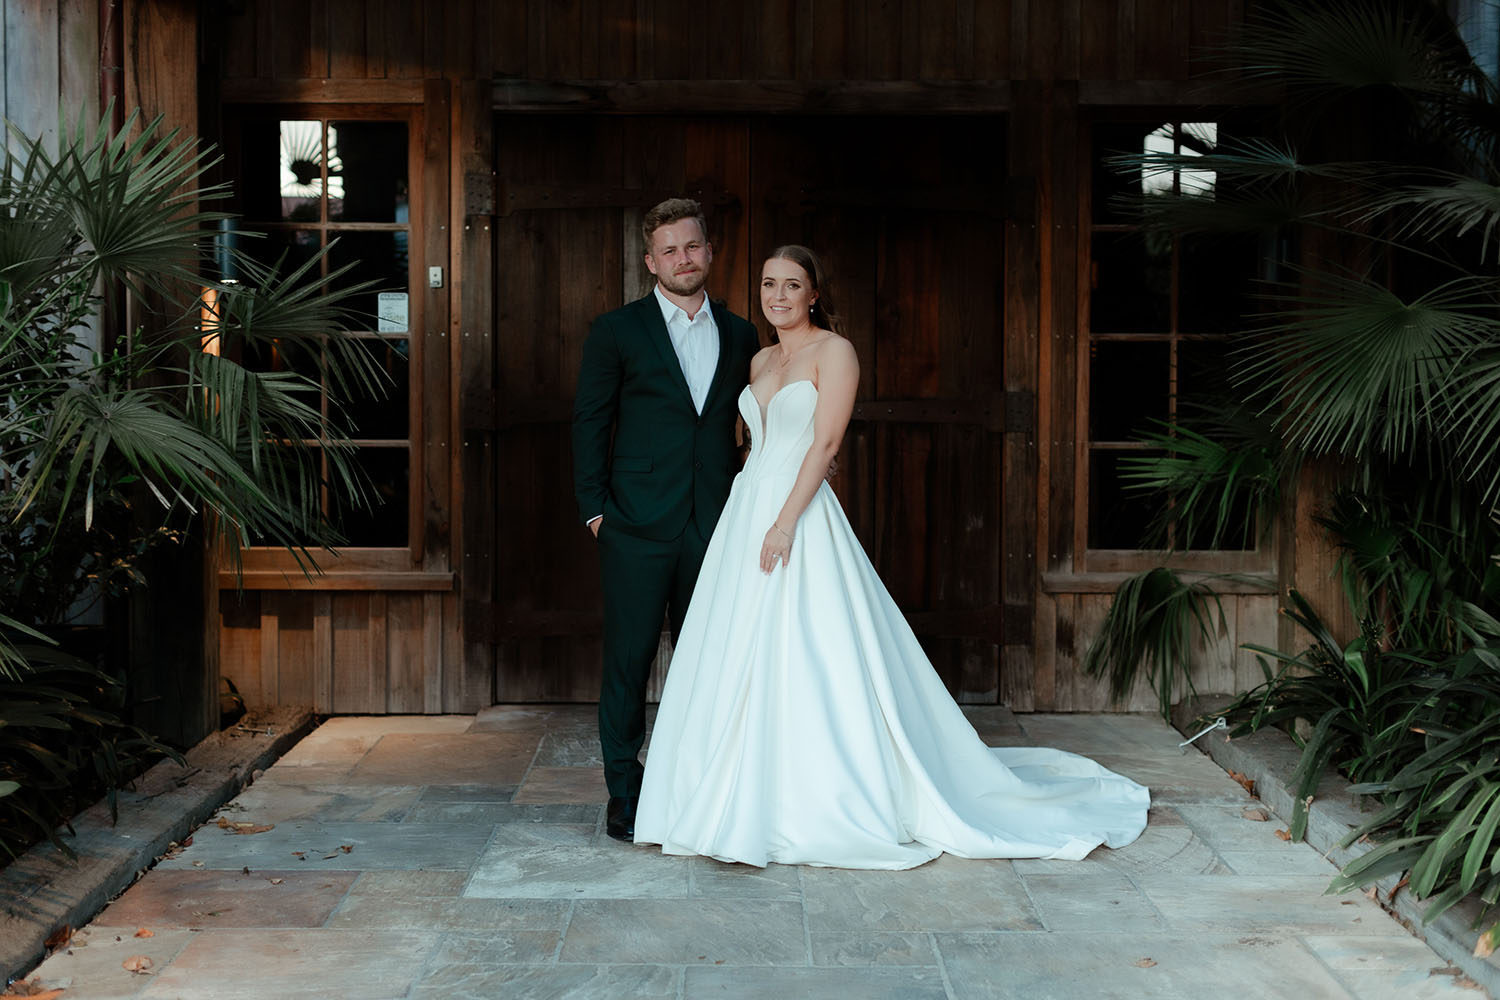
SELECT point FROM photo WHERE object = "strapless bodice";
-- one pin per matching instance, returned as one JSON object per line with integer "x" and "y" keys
{"x": 779, "y": 437}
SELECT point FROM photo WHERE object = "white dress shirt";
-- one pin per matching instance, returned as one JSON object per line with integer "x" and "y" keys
{"x": 696, "y": 342}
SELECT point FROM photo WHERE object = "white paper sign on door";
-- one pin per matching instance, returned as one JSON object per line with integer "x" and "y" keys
{"x": 391, "y": 312}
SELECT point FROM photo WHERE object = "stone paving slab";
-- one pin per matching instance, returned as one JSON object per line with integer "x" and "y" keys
{"x": 948, "y": 894}
{"x": 199, "y": 899}
{"x": 475, "y": 871}
{"x": 329, "y": 964}
{"x": 577, "y": 982}
{"x": 1130, "y": 966}
{"x": 320, "y": 846}
{"x": 96, "y": 969}
{"x": 603, "y": 871}
{"x": 686, "y": 932}
{"x": 815, "y": 984}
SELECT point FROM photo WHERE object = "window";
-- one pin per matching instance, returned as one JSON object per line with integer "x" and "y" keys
{"x": 1160, "y": 311}
{"x": 309, "y": 182}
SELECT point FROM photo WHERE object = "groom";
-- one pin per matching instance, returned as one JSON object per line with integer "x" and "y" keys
{"x": 653, "y": 457}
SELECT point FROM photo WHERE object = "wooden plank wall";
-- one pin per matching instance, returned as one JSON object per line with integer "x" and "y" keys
{"x": 346, "y": 651}
{"x": 936, "y": 40}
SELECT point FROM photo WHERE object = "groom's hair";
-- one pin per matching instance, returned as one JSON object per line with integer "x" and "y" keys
{"x": 670, "y": 211}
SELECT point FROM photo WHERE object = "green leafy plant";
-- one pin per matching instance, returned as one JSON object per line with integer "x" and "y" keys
{"x": 1354, "y": 699}
{"x": 62, "y": 742}
{"x": 109, "y": 449}
{"x": 1151, "y": 626}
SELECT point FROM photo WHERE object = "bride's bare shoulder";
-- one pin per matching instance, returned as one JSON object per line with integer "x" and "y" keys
{"x": 758, "y": 362}
{"x": 837, "y": 352}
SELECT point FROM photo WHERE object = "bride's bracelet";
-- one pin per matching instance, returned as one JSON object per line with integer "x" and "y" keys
{"x": 778, "y": 528}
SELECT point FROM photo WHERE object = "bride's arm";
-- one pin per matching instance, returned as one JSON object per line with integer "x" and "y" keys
{"x": 837, "y": 372}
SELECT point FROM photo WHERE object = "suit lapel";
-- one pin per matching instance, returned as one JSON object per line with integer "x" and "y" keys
{"x": 721, "y": 370}
{"x": 656, "y": 332}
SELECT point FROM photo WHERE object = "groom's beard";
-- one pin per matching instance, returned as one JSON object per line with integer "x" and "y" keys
{"x": 684, "y": 284}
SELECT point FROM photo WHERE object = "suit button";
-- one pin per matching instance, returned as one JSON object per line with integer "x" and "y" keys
{"x": 697, "y": 465}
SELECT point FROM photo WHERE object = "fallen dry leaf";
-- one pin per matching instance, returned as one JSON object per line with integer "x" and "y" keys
{"x": 145, "y": 932}
{"x": 1405, "y": 881}
{"x": 140, "y": 964}
{"x": 31, "y": 989}
{"x": 1485, "y": 946}
{"x": 59, "y": 938}
{"x": 1283, "y": 835}
{"x": 346, "y": 848}
{"x": 1254, "y": 815}
{"x": 1246, "y": 782}
{"x": 197, "y": 864}
{"x": 1145, "y": 963}
{"x": 1372, "y": 893}
{"x": 276, "y": 881}
{"x": 245, "y": 828}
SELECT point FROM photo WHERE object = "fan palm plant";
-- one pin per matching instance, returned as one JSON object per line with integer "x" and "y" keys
{"x": 108, "y": 450}
{"x": 1379, "y": 355}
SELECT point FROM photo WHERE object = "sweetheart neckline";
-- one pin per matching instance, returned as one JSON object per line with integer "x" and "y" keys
{"x": 765, "y": 410}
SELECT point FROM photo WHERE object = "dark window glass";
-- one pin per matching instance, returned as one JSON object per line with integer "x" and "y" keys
{"x": 385, "y": 418}
{"x": 375, "y": 256}
{"x": 1118, "y": 517}
{"x": 1128, "y": 387}
{"x": 385, "y": 523}
{"x": 1217, "y": 282}
{"x": 1132, "y": 283}
{"x": 367, "y": 172}
{"x": 1203, "y": 370}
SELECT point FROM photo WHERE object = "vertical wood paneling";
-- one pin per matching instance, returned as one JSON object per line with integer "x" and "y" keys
{"x": 78, "y": 54}
{"x": 1258, "y": 619}
{"x": 322, "y": 605}
{"x": 1044, "y": 667}
{"x": 239, "y": 642}
{"x": 295, "y": 652}
{"x": 351, "y": 23}
{"x": 353, "y": 657}
{"x": 291, "y": 38}
{"x": 31, "y": 68}
{"x": 236, "y": 33}
{"x": 434, "y": 363}
{"x": 270, "y": 651}
{"x": 405, "y": 673}
{"x": 404, "y": 35}
{"x": 509, "y": 45}
{"x": 438, "y": 651}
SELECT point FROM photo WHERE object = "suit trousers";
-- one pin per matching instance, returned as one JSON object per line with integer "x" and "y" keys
{"x": 644, "y": 581}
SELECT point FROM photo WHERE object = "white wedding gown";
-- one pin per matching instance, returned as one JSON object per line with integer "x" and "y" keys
{"x": 801, "y": 723}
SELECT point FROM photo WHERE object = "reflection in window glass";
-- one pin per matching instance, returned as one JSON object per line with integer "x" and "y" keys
{"x": 372, "y": 172}
{"x": 302, "y": 170}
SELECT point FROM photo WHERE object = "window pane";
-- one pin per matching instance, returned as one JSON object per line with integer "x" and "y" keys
{"x": 1203, "y": 370}
{"x": 385, "y": 417}
{"x": 367, "y": 171}
{"x": 301, "y": 171}
{"x": 1128, "y": 386}
{"x": 1118, "y": 517}
{"x": 1239, "y": 531}
{"x": 1114, "y": 139}
{"x": 283, "y": 251}
{"x": 1132, "y": 283}
{"x": 378, "y": 257}
{"x": 1218, "y": 275}
{"x": 385, "y": 524}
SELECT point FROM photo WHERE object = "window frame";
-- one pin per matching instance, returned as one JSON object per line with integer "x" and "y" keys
{"x": 353, "y": 567}
{"x": 1259, "y": 560}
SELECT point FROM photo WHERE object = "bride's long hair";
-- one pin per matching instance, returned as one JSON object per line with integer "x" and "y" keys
{"x": 822, "y": 309}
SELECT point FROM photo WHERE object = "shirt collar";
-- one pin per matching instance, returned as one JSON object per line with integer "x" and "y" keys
{"x": 670, "y": 309}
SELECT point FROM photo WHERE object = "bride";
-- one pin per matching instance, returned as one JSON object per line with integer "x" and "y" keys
{"x": 801, "y": 722}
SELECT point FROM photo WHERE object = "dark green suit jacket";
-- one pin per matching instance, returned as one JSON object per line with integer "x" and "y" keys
{"x": 666, "y": 463}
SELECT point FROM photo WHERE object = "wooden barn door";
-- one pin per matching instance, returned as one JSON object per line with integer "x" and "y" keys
{"x": 904, "y": 212}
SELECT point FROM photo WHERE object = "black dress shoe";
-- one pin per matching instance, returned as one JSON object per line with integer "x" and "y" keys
{"x": 619, "y": 817}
